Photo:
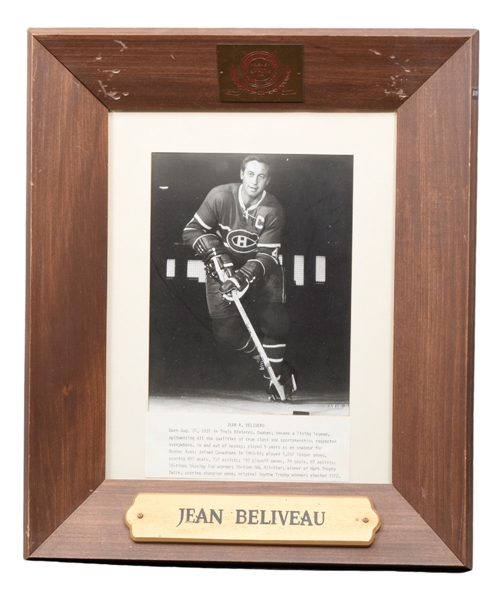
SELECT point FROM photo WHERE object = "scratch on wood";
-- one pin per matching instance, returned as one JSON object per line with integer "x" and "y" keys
{"x": 124, "y": 47}
{"x": 393, "y": 89}
{"x": 112, "y": 72}
{"x": 86, "y": 151}
{"x": 399, "y": 93}
{"x": 111, "y": 94}
{"x": 393, "y": 59}
{"x": 402, "y": 67}
{"x": 99, "y": 57}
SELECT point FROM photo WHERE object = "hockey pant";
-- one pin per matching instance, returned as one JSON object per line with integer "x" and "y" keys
{"x": 273, "y": 325}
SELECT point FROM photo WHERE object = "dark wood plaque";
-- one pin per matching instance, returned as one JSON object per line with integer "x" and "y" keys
{"x": 430, "y": 78}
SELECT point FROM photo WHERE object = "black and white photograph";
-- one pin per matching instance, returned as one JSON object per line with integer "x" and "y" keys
{"x": 250, "y": 285}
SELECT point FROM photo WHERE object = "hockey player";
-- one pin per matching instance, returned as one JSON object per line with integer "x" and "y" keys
{"x": 237, "y": 233}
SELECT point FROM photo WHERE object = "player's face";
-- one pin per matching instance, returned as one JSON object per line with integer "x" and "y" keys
{"x": 254, "y": 179}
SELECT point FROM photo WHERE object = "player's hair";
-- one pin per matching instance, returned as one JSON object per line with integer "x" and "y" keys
{"x": 258, "y": 158}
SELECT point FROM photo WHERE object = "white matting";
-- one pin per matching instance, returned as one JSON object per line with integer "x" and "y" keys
{"x": 371, "y": 138}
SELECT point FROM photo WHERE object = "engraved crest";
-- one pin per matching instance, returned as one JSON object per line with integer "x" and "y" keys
{"x": 251, "y": 73}
{"x": 260, "y": 72}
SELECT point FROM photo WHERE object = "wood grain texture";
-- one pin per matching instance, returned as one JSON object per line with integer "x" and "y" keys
{"x": 66, "y": 303}
{"x": 96, "y": 531}
{"x": 434, "y": 300}
{"x": 172, "y": 70}
{"x": 471, "y": 300}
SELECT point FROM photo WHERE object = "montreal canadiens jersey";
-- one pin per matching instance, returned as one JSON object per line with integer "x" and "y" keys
{"x": 248, "y": 233}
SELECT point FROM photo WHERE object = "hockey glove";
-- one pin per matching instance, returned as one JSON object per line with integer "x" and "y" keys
{"x": 237, "y": 283}
{"x": 241, "y": 279}
{"x": 218, "y": 264}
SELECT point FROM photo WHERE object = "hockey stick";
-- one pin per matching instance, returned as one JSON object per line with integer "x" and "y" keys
{"x": 261, "y": 351}
{"x": 263, "y": 355}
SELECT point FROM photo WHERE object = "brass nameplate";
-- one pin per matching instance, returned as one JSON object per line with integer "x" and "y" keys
{"x": 303, "y": 520}
{"x": 260, "y": 73}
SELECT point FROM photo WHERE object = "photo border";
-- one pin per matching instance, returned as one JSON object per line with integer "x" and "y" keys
{"x": 430, "y": 78}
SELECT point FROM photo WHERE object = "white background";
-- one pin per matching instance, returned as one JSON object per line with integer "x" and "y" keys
{"x": 21, "y": 579}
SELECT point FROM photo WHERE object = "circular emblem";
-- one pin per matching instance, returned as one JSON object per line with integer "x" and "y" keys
{"x": 242, "y": 241}
{"x": 260, "y": 72}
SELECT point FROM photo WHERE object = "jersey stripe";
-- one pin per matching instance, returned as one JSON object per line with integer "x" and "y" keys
{"x": 201, "y": 236}
{"x": 266, "y": 254}
{"x": 202, "y": 222}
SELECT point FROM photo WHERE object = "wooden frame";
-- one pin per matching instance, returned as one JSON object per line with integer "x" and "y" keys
{"x": 430, "y": 79}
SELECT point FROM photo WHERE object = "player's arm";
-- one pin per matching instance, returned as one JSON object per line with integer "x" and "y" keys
{"x": 200, "y": 234}
{"x": 215, "y": 257}
{"x": 267, "y": 258}
{"x": 203, "y": 222}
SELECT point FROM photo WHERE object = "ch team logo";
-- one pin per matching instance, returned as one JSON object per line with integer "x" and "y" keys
{"x": 242, "y": 241}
